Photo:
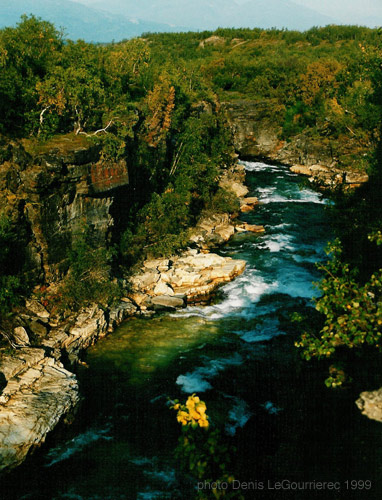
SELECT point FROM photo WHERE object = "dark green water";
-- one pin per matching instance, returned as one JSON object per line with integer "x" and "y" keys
{"x": 239, "y": 356}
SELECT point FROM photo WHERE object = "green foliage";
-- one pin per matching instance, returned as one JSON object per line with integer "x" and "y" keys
{"x": 89, "y": 278}
{"x": 297, "y": 117}
{"x": 224, "y": 201}
{"x": 353, "y": 312}
{"x": 184, "y": 185}
{"x": 10, "y": 289}
{"x": 204, "y": 453}
{"x": 11, "y": 266}
{"x": 27, "y": 53}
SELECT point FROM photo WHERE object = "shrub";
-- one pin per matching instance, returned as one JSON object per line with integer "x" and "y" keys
{"x": 89, "y": 276}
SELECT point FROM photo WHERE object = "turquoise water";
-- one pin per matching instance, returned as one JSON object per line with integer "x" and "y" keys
{"x": 238, "y": 355}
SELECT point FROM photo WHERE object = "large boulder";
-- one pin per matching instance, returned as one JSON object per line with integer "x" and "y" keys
{"x": 370, "y": 404}
{"x": 31, "y": 406}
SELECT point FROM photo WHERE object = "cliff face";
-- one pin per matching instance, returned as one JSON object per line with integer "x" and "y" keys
{"x": 54, "y": 194}
{"x": 256, "y": 135}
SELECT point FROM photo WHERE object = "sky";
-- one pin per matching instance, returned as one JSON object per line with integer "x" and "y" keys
{"x": 329, "y": 7}
{"x": 347, "y": 9}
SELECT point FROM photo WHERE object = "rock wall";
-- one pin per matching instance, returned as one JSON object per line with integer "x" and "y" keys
{"x": 55, "y": 193}
{"x": 256, "y": 135}
{"x": 370, "y": 404}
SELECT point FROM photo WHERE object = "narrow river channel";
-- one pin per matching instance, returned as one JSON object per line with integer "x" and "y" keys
{"x": 238, "y": 355}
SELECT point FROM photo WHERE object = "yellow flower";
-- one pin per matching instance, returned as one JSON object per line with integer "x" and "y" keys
{"x": 201, "y": 408}
{"x": 184, "y": 414}
{"x": 195, "y": 415}
{"x": 192, "y": 400}
{"x": 203, "y": 423}
{"x": 192, "y": 413}
{"x": 183, "y": 417}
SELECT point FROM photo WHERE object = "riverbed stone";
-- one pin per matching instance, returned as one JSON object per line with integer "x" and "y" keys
{"x": 252, "y": 228}
{"x": 163, "y": 289}
{"x": 120, "y": 312}
{"x": 38, "y": 329}
{"x": 194, "y": 275}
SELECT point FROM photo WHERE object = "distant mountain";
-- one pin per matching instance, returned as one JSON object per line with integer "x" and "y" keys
{"x": 211, "y": 14}
{"x": 78, "y": 20}
{"x": 367, "y": 12}
{"x": 100, "y": 21}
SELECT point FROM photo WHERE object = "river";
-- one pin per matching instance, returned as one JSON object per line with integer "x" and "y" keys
{"x": 238, "y": 355}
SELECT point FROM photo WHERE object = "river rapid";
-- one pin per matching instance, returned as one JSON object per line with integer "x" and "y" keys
{"x": 238, "y": 355}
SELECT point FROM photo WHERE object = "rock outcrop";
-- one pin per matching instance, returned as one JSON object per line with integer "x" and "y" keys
{"x": 256, "y": 135}
{"x": 33, "y": 402}
{"x": 370, "y": 404}
{"x": 53, "y": 191}
{"x": 37, "y": 391}
{"x": 191, "y": 277}
{"x": 330, "y": 177}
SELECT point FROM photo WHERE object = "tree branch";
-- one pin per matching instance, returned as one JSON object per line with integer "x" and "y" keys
{"x": 97, "y": 131}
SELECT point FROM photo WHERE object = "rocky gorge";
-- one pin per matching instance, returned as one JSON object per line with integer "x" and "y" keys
{"x": 54, "y": 197}
{"x": 51, "y": 195}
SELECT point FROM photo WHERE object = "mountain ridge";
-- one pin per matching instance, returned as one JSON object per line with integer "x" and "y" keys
{"x": 79, "y": 21}
{"x": 213, "y": 14}
{"x": 93, "y": 21}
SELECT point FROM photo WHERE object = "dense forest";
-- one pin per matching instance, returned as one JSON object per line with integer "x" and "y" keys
{"x": 155, "y": 101}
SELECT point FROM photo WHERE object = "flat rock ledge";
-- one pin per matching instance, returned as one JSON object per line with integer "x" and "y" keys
{"x": 370, "y": 404}
{"x": 330, "y": 177}
{"x": 189, "y": 278}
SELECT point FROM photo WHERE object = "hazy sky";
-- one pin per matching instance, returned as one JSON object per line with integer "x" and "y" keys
{"x": 341, "y": 8}
{"x": 367, "y": 12}
{"x": 337, "y": 8}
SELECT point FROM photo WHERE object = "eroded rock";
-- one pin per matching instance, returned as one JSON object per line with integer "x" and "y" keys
{"x": 31, "y": 407}
{"x": 370, "y": 404}
{"x": 20, "y": 335}
{"x": 195, "y": 275}
{"x": 330, "y": 176}
{"x": 167, "y": 302}
{"x": 36, "y": 308}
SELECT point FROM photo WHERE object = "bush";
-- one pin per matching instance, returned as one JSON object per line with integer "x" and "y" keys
{"x": 225, "y": 201}
{"x": 89, "y": 276}
{"x": 352, "y": 311}
{"x": 11, "y": 265}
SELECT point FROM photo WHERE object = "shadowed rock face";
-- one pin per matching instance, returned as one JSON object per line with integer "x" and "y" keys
{"x": 36, "y": 390}
{"x": 256, "y": 135}
{"x": 54, "y": 194}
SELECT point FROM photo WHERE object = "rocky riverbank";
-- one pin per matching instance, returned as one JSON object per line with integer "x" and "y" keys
{"x": 38, "y": 391}
{"x": 257, "y": 136}
{"x": 330, "y": 177}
